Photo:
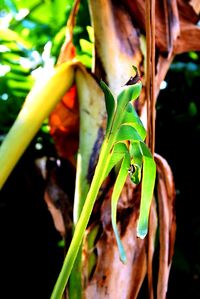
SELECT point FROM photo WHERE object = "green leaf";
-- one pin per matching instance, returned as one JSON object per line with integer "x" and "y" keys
{"x": 148, "y": 181}
{"x": 10, "y": 35}
{"x": 145, "y": 150}
{"x": 86, "y": 46}
{"x": 136, "y": 162}
{"x": 126, "y": 132}
{"x": 131, "y": 117}
{"x": 119, "y": 184}
{"x": 90, "y": 31}
{"x": 85, "y": 59}
{"x": 117, "y": 154}
{"x": 110, "y": 104}
{"x": 128, "y": 93}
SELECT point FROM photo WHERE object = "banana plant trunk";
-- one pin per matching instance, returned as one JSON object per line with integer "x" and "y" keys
{"x": 125, "y": 34}
{"x": 147, "y": 34}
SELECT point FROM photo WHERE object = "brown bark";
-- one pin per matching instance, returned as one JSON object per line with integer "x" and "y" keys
{"x": 172, "y": 26}
{"x": 120, "y": 30}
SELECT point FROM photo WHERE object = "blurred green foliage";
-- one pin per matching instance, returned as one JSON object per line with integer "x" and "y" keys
{"x": 31, "y": 35}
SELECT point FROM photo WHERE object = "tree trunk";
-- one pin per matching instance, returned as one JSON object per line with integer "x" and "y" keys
{"x": 120, "y": 34}
{"x": 148, "y": 35}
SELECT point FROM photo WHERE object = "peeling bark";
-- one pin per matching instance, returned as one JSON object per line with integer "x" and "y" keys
{"x": 111, "y": 278}
{"x": 167, "y": 223}
{"x": 121, "y": 40}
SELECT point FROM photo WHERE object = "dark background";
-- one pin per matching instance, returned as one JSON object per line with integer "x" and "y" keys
{"x": 177, "y": 139}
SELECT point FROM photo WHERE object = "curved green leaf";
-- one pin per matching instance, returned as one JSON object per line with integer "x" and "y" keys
{"x": 136, "y": 162}
{"x": 128, "y": 93}
{"x": 126, "y": 132}
{"x": 148, "y": 181}
{"x": 119, "y": 184}
{"x": 110, "y": 104}
{"x": 131, "y": 117}
{"x": 117, "y": 154}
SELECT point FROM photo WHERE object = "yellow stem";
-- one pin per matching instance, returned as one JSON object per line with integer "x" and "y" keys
{"x": 39, "y": 103}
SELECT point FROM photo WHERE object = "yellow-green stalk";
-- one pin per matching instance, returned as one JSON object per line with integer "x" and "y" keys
{"x": 39, "y": 103}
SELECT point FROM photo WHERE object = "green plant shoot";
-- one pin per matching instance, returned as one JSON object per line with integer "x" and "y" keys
{"x": 123, "y": 124}
{"x": 136, "y": 159}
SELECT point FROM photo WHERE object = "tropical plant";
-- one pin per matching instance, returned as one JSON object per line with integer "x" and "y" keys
{"x": 149, "y": 46}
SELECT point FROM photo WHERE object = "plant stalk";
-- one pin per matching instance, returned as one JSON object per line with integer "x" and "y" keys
{"x": 82, "y": 223}
{"x": 39, "y": 103}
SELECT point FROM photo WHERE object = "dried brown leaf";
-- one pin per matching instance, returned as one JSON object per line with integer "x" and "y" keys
{"x": 196, "y": 5}
{"x": 189, "y": 38}
{"x": 56, "y": 215}
{"x": 167, "y": 222}
{"x": 68, "y": 50}
{"x": 153, "y": 223}
{"x": 58, "y": 194}
{"x": 175, "y": 24}
{"x": 186, "y": 12}
{"x": 167, "y": 21}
